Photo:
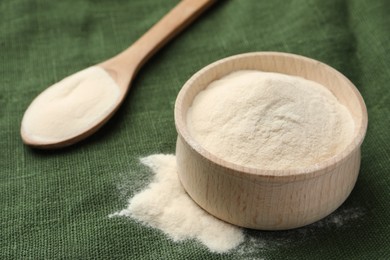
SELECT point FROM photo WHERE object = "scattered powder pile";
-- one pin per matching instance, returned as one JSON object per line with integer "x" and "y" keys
{"x": 71, "y": 106}
{"x": 269, "y": 120}
{"x": 165, "y": 205}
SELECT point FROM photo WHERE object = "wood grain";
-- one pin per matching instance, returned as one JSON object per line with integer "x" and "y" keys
{"x": 269, "y": 199}
{"x": 125, "y": 65}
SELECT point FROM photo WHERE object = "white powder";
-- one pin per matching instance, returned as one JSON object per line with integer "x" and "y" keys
{"x": 269, "y": 120}
{"x": 71, "y": 106}
{"x": 258, "y": 243}
{"x": 165, "y": 205}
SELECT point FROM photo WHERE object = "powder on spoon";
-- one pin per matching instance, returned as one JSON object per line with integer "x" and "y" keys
{"x": 269, "y": 120}
{"x": 71, "y": 106}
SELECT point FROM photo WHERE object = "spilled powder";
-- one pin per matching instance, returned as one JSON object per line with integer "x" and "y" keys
{"x": 165, "y": 205}
{"x": 259, "y": 243}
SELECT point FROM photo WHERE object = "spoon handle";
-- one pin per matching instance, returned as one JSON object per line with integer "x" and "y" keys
{"x": 170, "y": 25}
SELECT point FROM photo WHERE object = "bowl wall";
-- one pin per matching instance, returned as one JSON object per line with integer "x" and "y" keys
{"x": 267, "y": 199}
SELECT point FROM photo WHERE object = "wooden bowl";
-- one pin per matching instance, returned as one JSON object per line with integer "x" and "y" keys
{"x": 268, "y": 199}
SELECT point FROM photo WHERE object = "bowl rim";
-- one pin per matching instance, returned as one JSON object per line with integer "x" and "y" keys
{"x": 295, "y": 174}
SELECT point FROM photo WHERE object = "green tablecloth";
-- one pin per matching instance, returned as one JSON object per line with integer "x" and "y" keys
{"x": 56, "y": 204}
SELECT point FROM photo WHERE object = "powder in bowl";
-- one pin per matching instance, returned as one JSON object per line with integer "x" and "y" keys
{"x": 269, "y": 121}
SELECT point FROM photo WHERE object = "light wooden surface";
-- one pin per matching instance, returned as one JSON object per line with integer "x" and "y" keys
{"x": 123, "y": 67}
{"x": 269, "y": 199}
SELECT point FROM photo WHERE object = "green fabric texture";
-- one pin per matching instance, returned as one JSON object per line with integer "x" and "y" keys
{"x": 55, "y": 204}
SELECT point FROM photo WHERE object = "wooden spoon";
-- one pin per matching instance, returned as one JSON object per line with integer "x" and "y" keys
{"x": 123, "y": 67}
